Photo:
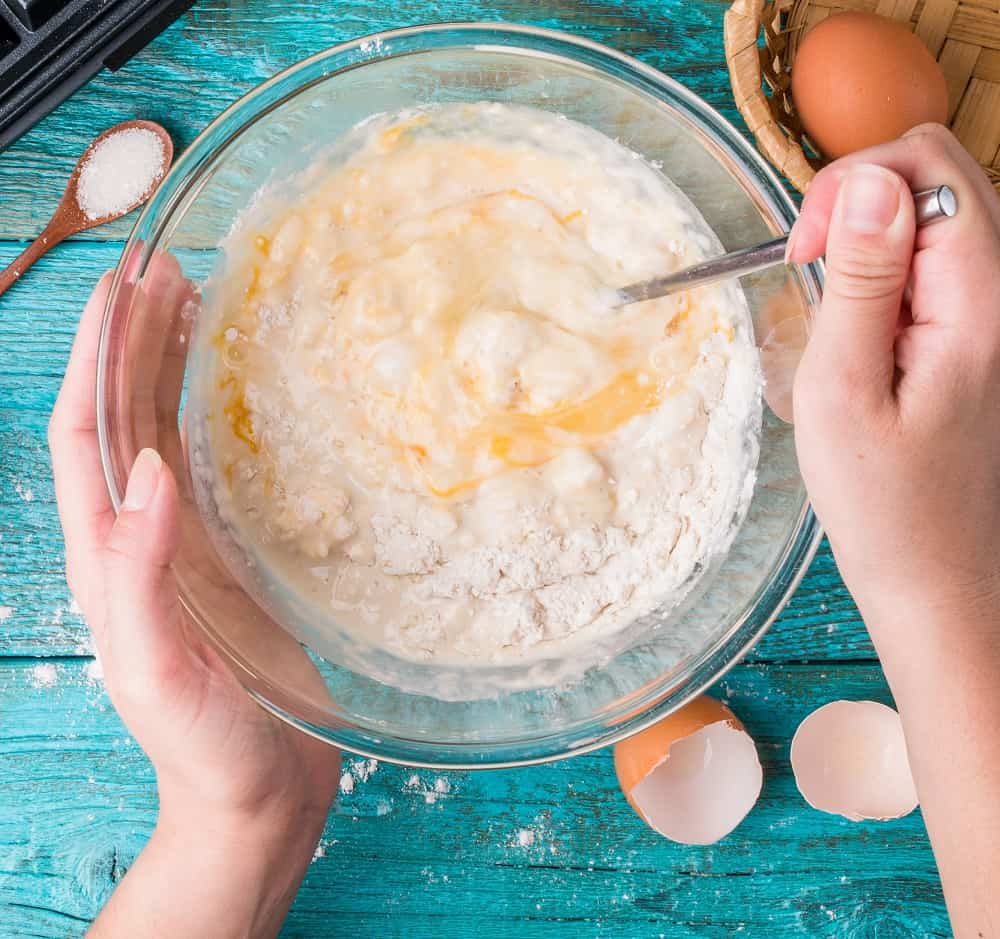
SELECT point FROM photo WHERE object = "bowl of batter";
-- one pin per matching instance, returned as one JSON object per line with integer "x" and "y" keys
{"x": 444, "y": 502}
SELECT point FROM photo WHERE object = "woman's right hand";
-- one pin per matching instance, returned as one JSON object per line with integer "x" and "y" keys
{"x": 897, "y": 426}
{"x": 897, "y": 398}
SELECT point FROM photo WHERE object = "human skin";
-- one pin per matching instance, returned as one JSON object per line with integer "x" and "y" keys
{"x": 897, "y": 423}
{"x": 243, "y": 796}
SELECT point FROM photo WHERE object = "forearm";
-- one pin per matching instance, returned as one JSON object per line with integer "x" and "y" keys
{"x": 200, "y": 877}
{"x": 943, "y": 669}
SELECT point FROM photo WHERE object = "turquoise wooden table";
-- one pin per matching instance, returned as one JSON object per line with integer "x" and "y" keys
{"x": 546, "y": 851}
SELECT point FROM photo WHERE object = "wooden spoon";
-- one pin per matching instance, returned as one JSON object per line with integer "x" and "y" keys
{"x": 69, "y": 218}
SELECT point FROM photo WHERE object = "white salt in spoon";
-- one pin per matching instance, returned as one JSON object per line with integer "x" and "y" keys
{"x": 117, "y": 172}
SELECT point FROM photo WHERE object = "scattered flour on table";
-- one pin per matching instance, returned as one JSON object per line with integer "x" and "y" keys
{"x": 357, "y": 771}
{"x": 26, "y": 494}
{"x": 430, "y": 790}
{"x": 120, "y": 171}
{"x": 322, "y": 846}
{"x": 534, "y": 837}
{"x": 65, "y": 629}
{"x": 44, "y": 675}
{"x": 363, "y": 769}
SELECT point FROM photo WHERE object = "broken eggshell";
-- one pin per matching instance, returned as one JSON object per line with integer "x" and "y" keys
{"x": 849, "y": 758}
{"x": 692, "y": 776}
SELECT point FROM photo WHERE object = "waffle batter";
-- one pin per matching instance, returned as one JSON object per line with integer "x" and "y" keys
{"x": 424, "y": 414}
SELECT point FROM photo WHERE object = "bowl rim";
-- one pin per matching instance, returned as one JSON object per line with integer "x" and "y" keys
{"x": 713, "y": 662}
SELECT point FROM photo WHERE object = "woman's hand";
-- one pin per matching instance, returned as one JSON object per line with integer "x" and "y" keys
{"x": 897, "y": 400}
{"x": 897, "y": 426}
{"x": 243, "y": 797}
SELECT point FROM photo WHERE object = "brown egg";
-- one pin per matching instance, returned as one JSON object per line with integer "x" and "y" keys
{"x": 859, "y": 80}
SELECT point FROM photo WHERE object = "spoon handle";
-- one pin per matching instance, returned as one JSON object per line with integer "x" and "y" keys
{"x": 38, "y": 248}
{"x": 929, "y": 205}
{"x": 734, "y": 264}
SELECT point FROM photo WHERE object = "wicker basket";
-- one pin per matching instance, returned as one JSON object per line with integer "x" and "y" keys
{"x": 964, "y": 35}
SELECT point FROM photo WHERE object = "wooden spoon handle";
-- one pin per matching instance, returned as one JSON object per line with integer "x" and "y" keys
{"x": 40, "y": 246}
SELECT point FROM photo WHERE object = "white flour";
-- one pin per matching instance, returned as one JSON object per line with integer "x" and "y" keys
{"x": 44, "y": 675}
{"x": 424, "y": 416}
{"x": 431, "y": 791}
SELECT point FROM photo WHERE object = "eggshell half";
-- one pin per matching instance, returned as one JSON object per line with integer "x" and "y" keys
{"x": 849, "y": 758}
{"x": 693, "y": 776}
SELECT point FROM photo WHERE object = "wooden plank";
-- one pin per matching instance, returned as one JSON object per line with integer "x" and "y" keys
{"x": 37, "y": 323}
{"x": 982, "y": 4}
{"x": 988, "y": 66}
{"x": 38, "y": 318}
{"x": 979, "y": 27}
{"x": 78, "y": 801}
{"x": 975, "y": 123}
{"x": 865, "y": 6}
{"x": 901, "y": 10}
{"x": 957, "y": 61}
{"x": 932, "y": 26}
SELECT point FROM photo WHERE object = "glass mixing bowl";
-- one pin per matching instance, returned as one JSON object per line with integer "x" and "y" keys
{"x": 367, "y": 701}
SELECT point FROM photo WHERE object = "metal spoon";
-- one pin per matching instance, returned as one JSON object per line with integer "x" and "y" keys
{"x": 930, "y": 204}
{"x": 69, "y": 218}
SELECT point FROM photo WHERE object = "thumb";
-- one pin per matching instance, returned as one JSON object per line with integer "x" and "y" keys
{"x": 142, "y": 633}
{"x": 869, "y": 249}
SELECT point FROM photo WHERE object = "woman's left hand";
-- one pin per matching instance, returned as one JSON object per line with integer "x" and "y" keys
{"x": 243, "y": 796}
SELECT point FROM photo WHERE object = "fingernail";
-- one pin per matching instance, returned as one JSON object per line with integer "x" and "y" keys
{"x": 869, "y": 199}
{"x": 142, "y": 480}
{"x": 790, "y": 244}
